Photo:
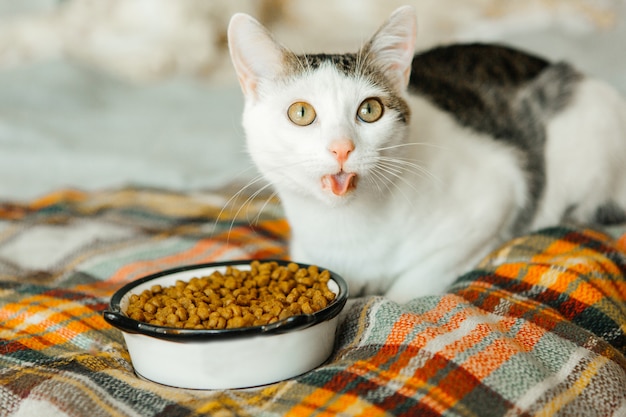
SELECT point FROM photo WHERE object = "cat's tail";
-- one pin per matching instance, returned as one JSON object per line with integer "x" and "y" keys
{"x": 550, "y": 92}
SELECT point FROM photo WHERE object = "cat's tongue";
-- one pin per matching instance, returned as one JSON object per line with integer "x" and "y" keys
{"x": 339, "y": 183}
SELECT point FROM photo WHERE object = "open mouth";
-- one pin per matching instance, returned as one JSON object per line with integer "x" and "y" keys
{"x": 339, "y": 183}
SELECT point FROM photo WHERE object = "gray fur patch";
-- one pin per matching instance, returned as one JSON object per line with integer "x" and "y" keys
{"x": 502, "y": 92}
{"x": 532, "y": 107}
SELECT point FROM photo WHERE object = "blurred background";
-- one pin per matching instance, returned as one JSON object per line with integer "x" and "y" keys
{"x": 105, "y": 93}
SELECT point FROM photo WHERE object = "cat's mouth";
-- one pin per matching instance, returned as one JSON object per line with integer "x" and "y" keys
{"x": 339, "y": 183}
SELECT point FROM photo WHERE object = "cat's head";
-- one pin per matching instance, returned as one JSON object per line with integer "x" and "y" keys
{"x": 326, "y": 125}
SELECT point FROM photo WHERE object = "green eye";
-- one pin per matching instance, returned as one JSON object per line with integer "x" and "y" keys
{"x": 301, "y": 113}
{"x": 370, "y": 110}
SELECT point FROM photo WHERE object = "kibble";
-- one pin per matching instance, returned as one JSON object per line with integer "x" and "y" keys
{"x": 266, "y": 293}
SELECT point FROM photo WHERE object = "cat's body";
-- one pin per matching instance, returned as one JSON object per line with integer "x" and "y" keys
{"x": 413, "y": 168}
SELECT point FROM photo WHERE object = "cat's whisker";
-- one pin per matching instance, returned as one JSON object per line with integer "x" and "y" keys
{"x": 375, "y": 175}
{"x": 409, "y": 166}
{"x": 382, "y": 173}
{"x": 395, "y": 173}
{"x": 251, "y": 198}
{"x": 263, "y": 207}
{"x": 397, "y": 168}
{"x": 304, "y": 63}
{"x": 244, "y": 205}
{"x": 362, "y": 60}
{"x": 402, "y": 164}
{"x": 391, "y": 168}
{"x": 232, "y": 199}
{"x": 402, "y": 145}
{"x": 406, "y": 163}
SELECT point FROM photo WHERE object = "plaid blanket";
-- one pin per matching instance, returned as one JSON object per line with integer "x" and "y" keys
{"x": 538, "y": 329}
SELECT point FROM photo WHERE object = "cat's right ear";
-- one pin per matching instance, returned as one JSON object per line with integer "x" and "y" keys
{"x": 392, "y": 47}
{"x": 255, "y": 54}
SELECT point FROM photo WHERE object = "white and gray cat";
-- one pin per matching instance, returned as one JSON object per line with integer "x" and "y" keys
{"x": 400, "y": 172}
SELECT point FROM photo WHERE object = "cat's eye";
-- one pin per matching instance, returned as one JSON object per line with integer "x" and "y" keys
{"x": 370, "y": 110}
{"x": 301, "y": 113}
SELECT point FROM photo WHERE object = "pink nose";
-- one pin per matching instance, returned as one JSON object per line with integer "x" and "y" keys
{"x": 341, "y": 148}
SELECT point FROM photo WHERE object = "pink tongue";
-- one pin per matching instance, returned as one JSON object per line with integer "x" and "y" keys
{"x": 339, "y": 183}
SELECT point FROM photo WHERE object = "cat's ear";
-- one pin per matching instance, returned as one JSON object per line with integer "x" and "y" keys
{"x": 254, "y": 52}
{"x": 392, "y": 47}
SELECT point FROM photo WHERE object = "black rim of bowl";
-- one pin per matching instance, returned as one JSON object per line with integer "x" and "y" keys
{"x": 118, "y": 319}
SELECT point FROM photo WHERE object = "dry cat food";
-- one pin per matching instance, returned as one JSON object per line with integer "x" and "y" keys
{"x": 266, "y": 293}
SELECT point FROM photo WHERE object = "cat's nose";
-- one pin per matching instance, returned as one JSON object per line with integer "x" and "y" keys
{"x": 341, "y": 148}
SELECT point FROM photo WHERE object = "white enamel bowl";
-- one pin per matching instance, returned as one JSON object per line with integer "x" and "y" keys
{"x": 230, "y": 358}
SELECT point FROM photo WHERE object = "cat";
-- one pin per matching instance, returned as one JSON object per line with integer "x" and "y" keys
{"x": 400, "y": 171}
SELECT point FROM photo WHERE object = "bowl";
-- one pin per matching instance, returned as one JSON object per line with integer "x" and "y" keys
{"x": 229, "y": 358}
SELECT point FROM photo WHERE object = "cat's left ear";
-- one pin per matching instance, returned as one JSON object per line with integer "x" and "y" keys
{"x": 392, "y": 47}
{"x": 255, "y": 54}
